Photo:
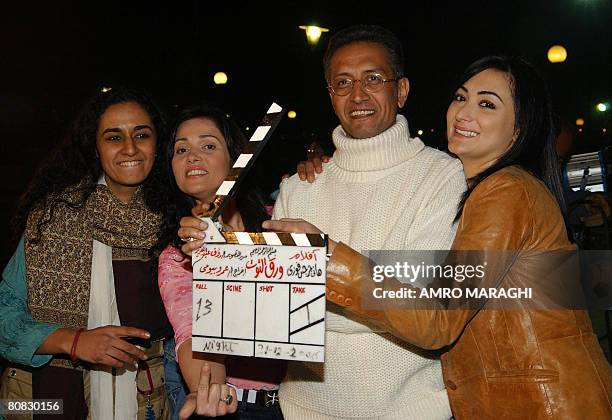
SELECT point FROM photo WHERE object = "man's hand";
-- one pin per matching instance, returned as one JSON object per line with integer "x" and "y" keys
{"x": 211, "y": 399}
{"x": 307, "y": 169}
{"x": 290, "y": 225}
{"x": 296, "y": 226}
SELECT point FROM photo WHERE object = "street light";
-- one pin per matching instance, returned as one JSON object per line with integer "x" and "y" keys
{"x": 579, "y": 122}
{"x": 601, "y": 107}
{"x": 313, "y": 33}
{"x": 291, "y": 114}
{"x": 220, "y": 78}
{"x": 557, "y": 54}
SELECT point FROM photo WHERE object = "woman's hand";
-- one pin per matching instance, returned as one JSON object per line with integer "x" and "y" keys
{"x": 307, "y": 169}
{"x": 192, "y": 233}
{"x": 192, "y": 228}
{"x": 296, "y": 226}
{"x": 211, "y": 399}
{"x": 105, "y": 346}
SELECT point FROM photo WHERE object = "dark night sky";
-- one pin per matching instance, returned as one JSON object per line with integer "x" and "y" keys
{"x": 55, "y": 54}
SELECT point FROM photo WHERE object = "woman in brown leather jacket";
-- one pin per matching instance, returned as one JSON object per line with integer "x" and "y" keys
{"x": 505, "y": 363}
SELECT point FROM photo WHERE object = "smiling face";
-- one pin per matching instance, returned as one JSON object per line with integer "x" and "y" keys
{"x": 365, "y": 114}
{"x": 201, "y": 160}
{"x": 126, "y": 141}
{"x": 481, "y": 120}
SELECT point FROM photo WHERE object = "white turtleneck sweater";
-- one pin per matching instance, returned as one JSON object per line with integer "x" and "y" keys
{"x": 388, "y": 192}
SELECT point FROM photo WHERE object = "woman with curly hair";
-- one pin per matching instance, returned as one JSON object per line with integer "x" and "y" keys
{"x": 79, "y": 292}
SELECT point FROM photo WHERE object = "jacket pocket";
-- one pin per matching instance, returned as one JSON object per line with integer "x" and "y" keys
{"x": 525, "y": 376}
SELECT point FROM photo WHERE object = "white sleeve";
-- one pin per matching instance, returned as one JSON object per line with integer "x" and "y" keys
{"x": 280, "y": 205}
{"x": 435, "y": 225}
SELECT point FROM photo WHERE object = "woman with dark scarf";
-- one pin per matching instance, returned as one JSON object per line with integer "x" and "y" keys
{"x": 80, "y": 290}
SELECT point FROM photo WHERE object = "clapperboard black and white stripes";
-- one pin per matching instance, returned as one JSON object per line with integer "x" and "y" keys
{"x": 275, "y": 238}
{"x": 241, "y": 167}
{"x": 239, "y": 171}
{"x": 258, "y": 294}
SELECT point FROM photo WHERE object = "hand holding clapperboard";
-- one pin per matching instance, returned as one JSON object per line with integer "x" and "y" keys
{"x": 258, "y": 294}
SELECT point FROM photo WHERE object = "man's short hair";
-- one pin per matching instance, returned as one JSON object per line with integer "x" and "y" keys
{"x": 367, "y": 33}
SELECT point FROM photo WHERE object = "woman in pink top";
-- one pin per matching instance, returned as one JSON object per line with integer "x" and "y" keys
{"x": 203, "y": 145}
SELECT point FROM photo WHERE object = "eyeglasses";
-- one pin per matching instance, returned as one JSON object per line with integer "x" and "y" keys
{"x": 371, "y": 83}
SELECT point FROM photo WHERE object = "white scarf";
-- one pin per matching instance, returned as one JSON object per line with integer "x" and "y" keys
{"x": 103, "y": 311}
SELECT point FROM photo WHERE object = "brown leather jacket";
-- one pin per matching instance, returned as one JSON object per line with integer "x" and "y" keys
{"x": 510, "y": 364}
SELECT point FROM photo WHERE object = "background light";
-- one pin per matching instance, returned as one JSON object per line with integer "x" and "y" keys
{"x": 579, "y": 121}
{"x": 601, "y": 107}
{"x": 557, "y": 54}
{"x": 420, "y": 132}
{"x": 106, "y": 89}
{"x": 313, "y": 33}
{"x": 220, "y": 78}
{"x": 291, "y": 114}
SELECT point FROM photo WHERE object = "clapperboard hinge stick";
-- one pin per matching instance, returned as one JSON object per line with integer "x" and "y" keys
{"x": 239, "y": 170}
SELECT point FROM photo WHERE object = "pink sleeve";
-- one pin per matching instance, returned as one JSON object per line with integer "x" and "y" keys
{"x": 175, "y": 278}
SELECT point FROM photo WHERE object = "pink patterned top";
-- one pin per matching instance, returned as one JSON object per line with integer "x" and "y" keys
{"x": 175, "y": 287}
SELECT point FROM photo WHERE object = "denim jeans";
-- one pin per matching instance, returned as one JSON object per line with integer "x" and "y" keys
{"x": 175, "y": 386}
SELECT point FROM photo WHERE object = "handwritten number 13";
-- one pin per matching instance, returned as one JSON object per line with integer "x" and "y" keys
{"x": 207, "y": 308}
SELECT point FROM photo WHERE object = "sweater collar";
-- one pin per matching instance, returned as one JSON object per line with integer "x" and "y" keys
{"x": 390, "y": 148}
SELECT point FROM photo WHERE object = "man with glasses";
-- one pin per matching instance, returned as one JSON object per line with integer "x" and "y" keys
{"x": 382, "y": 189}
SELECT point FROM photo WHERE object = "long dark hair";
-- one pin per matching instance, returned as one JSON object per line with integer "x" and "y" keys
{"x": 534, "y": 148}
{"x": 249, "y": 201}
{"x": 75, "y": 166}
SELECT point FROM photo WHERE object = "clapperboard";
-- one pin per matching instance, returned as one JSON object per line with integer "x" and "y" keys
{"x": 258, "y": 294}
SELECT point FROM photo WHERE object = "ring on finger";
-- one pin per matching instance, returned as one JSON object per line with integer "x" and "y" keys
{"x": 189, "y": 239}
{"x": 227, "y": 400}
